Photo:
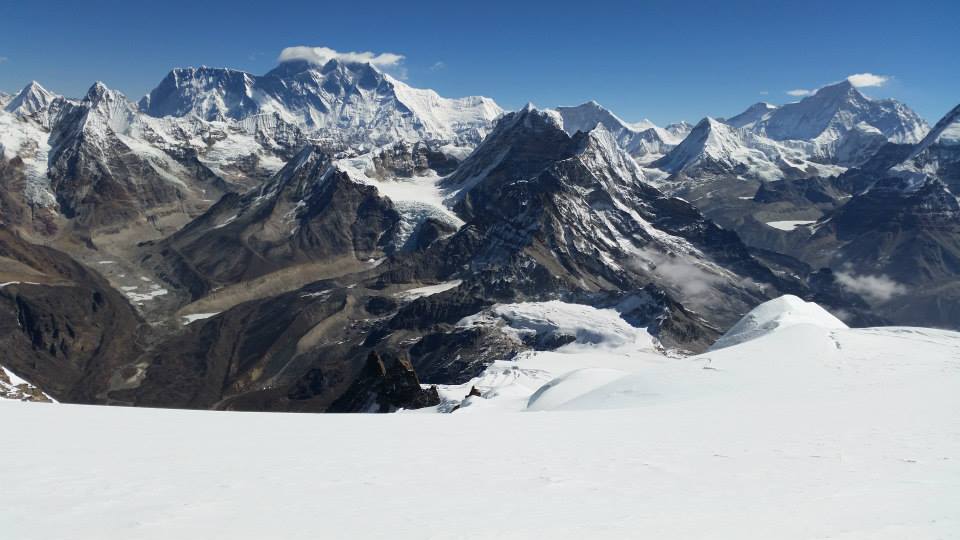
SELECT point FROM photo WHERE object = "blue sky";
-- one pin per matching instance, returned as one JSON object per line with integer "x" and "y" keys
{"x": 663, "y": 60}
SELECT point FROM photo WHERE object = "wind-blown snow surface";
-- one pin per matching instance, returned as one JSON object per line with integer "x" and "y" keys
{"x": 806, "y": 430}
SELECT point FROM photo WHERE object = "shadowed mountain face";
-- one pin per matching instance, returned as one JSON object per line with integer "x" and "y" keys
{"x": 305, "y": 351}
{"x": 898, "y": 244}
{"x": 96, "y": 177}
{"x": 309, "y": 212}
{"x": 64, "y": 328}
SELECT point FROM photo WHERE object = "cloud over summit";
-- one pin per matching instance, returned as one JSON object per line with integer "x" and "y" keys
{"x": 865, "y": 80}
{"x": 322, "y": 55}
{"x": 859, "y": 80}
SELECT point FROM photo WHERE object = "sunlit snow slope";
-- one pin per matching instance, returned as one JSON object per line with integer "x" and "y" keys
{"x": 799, "y": 428}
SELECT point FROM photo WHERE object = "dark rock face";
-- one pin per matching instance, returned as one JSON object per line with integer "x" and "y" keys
{"x": 385, "y": 385}
{"x": 406, "y": 160}
{"x": 63, "y": 329}
{"x": 898, "y": 242}
{"x": 674, "y": 325}
{"x": 16, "y": 212}
{"x": 457, "y": 355}
{"x": 912, "y": 235}
{"x": 893, "y": 204}
{"x": 859, "y": 179}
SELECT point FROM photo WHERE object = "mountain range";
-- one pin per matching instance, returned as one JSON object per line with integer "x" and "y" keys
{"x": 314, "y": 238}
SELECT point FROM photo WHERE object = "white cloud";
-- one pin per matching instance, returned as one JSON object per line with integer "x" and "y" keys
{"x": 694, "y": 284}
{"x": 437, "y": 66}
{"x": 864, "y": 80}
{"x": 859, "y": 80}
{"x": 879, "y": 288}
{"x": 322, "y": 55}
{"x": 764, "y": 92}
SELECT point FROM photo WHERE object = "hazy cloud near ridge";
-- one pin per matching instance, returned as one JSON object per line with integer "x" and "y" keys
{"x": 874, "y": 288}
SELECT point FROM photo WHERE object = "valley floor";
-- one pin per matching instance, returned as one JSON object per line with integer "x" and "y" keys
{"x": 843, "y": 434}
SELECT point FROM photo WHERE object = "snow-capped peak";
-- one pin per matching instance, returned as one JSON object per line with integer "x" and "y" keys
{"x": 586, "y": 116}
{"x": 827, "y": 116}
{"x": 351, "y": 102}
{"x": 601, "y": 152}
{"x": 531, "y": 117}
{"x": 643, "y": 140}
{"x": 842, "y": 90}
{"x": 31, "y": 99}
{"x": 719, "y": 146}
{"x": 710, "y": 139}
{"x": 773, "y": 315}
{"x": 753, "y": 114}
{"x": 99, "y": 93}
{"x": 110, "y": 106}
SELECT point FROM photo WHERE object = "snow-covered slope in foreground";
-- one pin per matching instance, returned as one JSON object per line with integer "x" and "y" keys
{"x": 805, "y": 431}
